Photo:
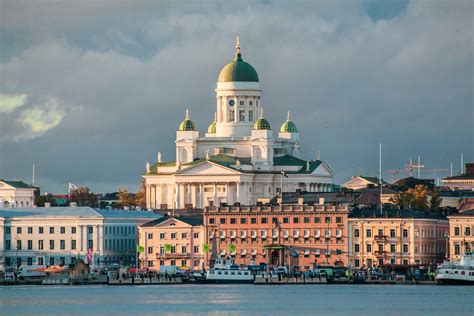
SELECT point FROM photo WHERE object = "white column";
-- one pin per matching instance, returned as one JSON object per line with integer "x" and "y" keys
{"x": 227, "y": 193}
{"x": 215, "y": 194}
{"x": 157, "y": 195}
{"x": 238, "y": 198}
{"x": 201, "y": 195}
{"x": 147, "y": 196}
{"x": 177, "y": 196}
{"x": 193, "y": 195}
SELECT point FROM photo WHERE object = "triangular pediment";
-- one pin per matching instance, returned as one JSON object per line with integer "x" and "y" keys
{"x": 207, "y": 168}
{"x": 323, "y": 170}
{"x": 172, "y": 222}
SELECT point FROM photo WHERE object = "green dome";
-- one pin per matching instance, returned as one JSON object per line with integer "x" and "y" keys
{"x": 238, "y": 70}
{"x": 261, "y": 123}
{"x": 187, "y": 124}
{"x": 288, "y": 126}
{"x": 212, "y": 127}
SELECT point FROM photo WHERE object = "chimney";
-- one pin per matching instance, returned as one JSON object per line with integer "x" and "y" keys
{"x": 321, "y": 201}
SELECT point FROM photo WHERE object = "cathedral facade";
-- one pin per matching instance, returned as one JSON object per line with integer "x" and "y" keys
{"x": 238, "y": 160}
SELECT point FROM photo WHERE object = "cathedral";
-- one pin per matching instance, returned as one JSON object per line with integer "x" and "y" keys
{"x": 238, "y": 160}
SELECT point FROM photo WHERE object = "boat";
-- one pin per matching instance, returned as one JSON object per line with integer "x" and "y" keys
{"x": 457, "y": 272}
{"x": 225, "y": 271}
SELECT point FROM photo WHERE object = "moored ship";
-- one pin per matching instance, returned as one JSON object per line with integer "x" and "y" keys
{"x": 457, "y": 272}
{"x": 225, "y": 271}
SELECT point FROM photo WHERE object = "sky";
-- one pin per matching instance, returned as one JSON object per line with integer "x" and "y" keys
{"x": 92, "y": 90}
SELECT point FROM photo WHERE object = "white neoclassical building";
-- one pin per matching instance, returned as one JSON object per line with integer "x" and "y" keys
{"x": 238, "y": 159}
{"x": 16, "y": 194}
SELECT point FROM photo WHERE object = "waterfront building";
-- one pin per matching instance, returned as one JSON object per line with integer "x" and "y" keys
{"x": 362, "y": 182}
{"x": 370, "y": 197}
{"x": 294, "y": 235}
{"x": 238, "y": 159}
{"x": 342, "y": 197}
{"x": 411, "y": 182}
{"x": 396, "y": 237}
{"x": 61, "y": 235}
{"x": 16, "y": 194}
{"x": 464, "y": 181}
{"x": 461, "y": 237}
{"x": 172, "y": 241}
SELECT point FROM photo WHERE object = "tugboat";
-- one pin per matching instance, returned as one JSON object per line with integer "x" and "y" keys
{"x": 457, "y": 272}
{"x": 225, "y": 271}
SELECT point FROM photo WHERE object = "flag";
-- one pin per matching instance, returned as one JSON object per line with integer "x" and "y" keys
{"x": 140, "y": 249}
{"x": 89, "y": 255}
{"x": 283, "y": 173}
{"x": 71, "y": 187}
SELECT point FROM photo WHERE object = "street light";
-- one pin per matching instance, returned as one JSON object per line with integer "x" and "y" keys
{"x": 446, "y": 235}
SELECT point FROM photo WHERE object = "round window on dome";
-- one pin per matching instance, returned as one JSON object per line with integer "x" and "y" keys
{"x": 231, "y": 102}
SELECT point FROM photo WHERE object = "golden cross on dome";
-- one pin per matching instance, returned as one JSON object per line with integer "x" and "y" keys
{"x": 187, "y": 114}
{"x": 237, "y": 44}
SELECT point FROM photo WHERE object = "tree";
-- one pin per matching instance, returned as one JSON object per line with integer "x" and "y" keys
{"x": 231, "y": 248}
{"x": 420, "y": 197}
{"x": 83, "y": 197}
{"x": 140, "y": 197}
{"x": 435, "y": 201}
{"x": 125, "y": 198}
{"x": 40, "y": 200}
{"x": 404, "y": 200}
{"x": 168, "y": 248}
{"x": 206, "y": 248}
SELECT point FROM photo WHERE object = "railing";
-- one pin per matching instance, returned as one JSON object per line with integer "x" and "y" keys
{"x": 380, "y": 237}
{"x": 172, "y": 255}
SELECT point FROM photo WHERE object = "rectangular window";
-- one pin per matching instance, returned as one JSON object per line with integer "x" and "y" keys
{"x": 150, "y": 263}
{"x": 242, "y": 102}
{"x": 8, "y": 244}
{"x": 380, "y": 232}
{"x": 306, "y": 220}
{"x": 40, "y": 230}
{"x": 357, "y": 263}
{"x": 392, "y": 233}
{"x": 316, "y": 220}
{"x": 173, "y": 235}
{"x": 457, "y": 249}
{"x": 369, "y": 248}
{"x": 241, "y": 115}
{"x": 231, "y": 115}
{"x": 162, "y": 249}
{"x": 253, "y": 220}
{"x": 51, "y": 230}
{"x": 63, "y": 230}
{"x": 18, "y": 230}
{"x": 263, "y": 220}
{"x": 29, "y": 261}
{"x": 356, "y": 248}
{"x": 338, "y": 219}
{"x": 18, "y": 244}
{"x": 62, "y": 244}
{"x": 73, "y": 230}
{"x": 456, "y": 231}
{"x": 222, "y": 220}
{"x": 30, "y": 230}
{"x": 51, "y": 261}
{"x": 150, "y": 236}
{"x": 195, "y": 235}
{"x": 162, "y": 263}
{"x": 150, "y": 250}
{"x": 162, "y": 235}
{"x": 243, "y": 220}
{"x": 90, "y": 244}
{"x": 233, "y": 220}
{"x": 250, "y": 115}
{"x": 405, "y": 248}
{"x": 356, "y": 232}
{"x": 173, "y": 263}
{"x": 90, "y": 229}
{"x": 40, "y": 245}
{"x": 274, "y": 220}
{"x": 327, "y": 219}
{"x": 184, "y": 249}
{"x": 467, "y": 231}
{"x": 286, "y": 220}
{"x": 30, "y": 244}
{"x": 392, "y": 248}
{"x": 183, "y": 235}
{"x": 73, "y": 244}
{"x": 368, "y": 233}
{"x": 8, "y": 230}
{"x": 196, "y": 249}
{"x": 405, "y": 233}
{"x": 51, "y": 245}
{"x": 173, "y": 249}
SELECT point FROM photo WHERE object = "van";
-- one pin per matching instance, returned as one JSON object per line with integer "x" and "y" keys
{"x": 30, "y": 272}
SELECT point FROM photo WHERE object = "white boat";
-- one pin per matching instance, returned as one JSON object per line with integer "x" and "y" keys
{"x": 225, "y": 271}
{"x": 457, "y": 272}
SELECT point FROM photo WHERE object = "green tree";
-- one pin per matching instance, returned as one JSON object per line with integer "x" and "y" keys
{"x": 125, "y": 198}
{"x": 168, "y": 248}
{"x": 140, "y": 197}
{"x": 404, "y": 200}
{"x": 420, "y": 197}
{"x": 206, "y": 248}
{"x": 40, "y": 200}
{"x": 435, "y": 201}
{"x": 231, "y": 248}
{"x": 83, "y": 197}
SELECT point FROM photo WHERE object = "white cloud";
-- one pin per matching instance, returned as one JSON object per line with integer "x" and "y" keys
{"x": 10, "y": 102}
{"x": 42, "y": 118}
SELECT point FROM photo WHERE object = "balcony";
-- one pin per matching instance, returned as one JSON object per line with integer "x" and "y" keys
{"x": 380, "y": 237}
{"x": 172, "y": 255}
{"x": 380, "y": 253}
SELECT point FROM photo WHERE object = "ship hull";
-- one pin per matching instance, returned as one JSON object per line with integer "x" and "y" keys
{"x": 455, "y": 282}
{"x": 204, "y": 280}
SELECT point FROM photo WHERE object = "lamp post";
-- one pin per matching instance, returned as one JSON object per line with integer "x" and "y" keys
{"x": 446, "y": 235}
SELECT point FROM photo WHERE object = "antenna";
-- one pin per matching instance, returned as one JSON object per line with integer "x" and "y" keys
{"x": 462, "y": 163}
{"x": 380, "y": 177}
{"x": 33, "y": 176}
{"x": 451, "y": 170}
{"x": 318, "y": 155}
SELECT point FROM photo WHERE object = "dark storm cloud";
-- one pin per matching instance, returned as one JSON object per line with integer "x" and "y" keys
{"x": 352, "y": 73}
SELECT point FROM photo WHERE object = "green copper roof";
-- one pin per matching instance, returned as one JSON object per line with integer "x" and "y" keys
{"x": 187, "y": 124}
{"x": 238, "y": 70}
{"x": 288, "y": 127}
{"x": 261, "y": 123}
{"x": 18, "y": 184}
{"x": 212, "y": 127}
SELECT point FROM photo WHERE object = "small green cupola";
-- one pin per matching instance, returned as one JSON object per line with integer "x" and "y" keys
{"x": 238, "y": 69}
{"x": 261, "y": 123}
{"x": 187, "y": 124}
{"x": 212, "y": 127}
{"x": 288, "y": 126}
